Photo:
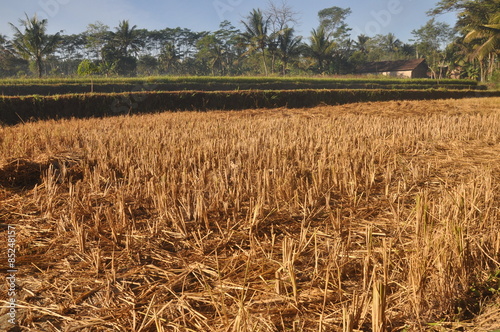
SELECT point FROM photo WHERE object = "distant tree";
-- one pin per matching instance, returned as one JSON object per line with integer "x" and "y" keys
{"x": 10, "y": 63}
{"x": 321, "y": 48}
{"x": 281, "y": 15}
{"x": 476, "y": 25}
{"x": 333, "y": 22}
{"x": 361, "y": 44}
{"x": 121, "y": 48}
{"x": 211, "y": 52}
{"x": 392, "y": 43}
{"x": 431, "y": 40}
{"x": 97, "y": 36}
{"x": 147, "y": 65}
{"x": 460, "y": 64}
{"x": 434, "y": 35}
{"x": 126, "y": 39}
{"x": 408, "y": 50}
{"x": 289, "y": 46}
{"x": 34, "y": 43}
{"x": 486, "y": 38}
{"x": 107, "y": 68}
{"x": 471, "y": 12}
{"x": 113, "y": 58}
{"x": 88, "y": 68}
{"x": 229, "y": 36}
{"x": 169, "y": 58}
{"x": 255, "y": 36}
{"x": 70, "y": 52}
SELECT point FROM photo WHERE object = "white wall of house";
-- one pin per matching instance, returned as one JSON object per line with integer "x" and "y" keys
{"x": 404, "y": 74}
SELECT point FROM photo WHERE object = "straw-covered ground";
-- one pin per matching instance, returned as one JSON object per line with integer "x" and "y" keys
{"x": 357, "y": 217}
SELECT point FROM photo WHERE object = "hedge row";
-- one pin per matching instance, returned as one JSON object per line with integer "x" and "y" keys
{"x": 14, "y": 110}
{"x": 235, "y": 80}
{"x": 57, "y": 89}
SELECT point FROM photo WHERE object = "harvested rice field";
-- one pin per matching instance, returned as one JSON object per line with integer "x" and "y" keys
{"x": 361, "y": 217}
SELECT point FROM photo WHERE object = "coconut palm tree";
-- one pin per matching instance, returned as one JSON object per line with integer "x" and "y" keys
{"x": 392, "y": 43}
{"x": 34, "y": 43}
{"x": 127, "y": 38}
{"x": 255, "y": 35}
{"x": 211, "y": 51}
{"x": 408, "y": 50}
{"x": 169, "y": 58}
{"x": 362, "y": 43}
{"x": 321, "y": 48}
{"x": 488, "y": 36}
{"x": 289, "y": 46}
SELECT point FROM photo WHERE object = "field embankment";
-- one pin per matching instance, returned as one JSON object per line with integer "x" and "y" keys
{"x": 18, "y": 109}
{"x": 333, "y": 218}
{"x": 18, "y": 87}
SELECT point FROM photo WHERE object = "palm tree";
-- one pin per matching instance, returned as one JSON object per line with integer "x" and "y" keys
{"x": 289, "y": 46}
{"x": 392, "y": 44}
{"x": 321, "y": 47}
{"x": 255, "y": 35}
{"x": 408, "y": 50}
{"x": 127, "y": 38}
{"x": 169, "y": 58}
{"x": 34, "y": 43}
{"x": 362, "y": 43}
{"x": 488, "y": 36}
{"x": 210, "y": 49}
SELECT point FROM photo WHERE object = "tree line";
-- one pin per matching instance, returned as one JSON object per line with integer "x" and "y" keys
{"x": 265, "y": 43}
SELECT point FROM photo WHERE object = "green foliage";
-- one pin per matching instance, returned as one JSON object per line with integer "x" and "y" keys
{"x": 233, "y": 80}
{"x": 289, "y": 47}
{"x": 255, "y": 37}
{"x": 126, "y": 39}
{"x": 87, "y": 68}
{"x": 333, "y": 21}
{"x": 321, "y": 48}
{"x": 34, "y": 43}
{"x": 266, "y": 45}
{"x": 478, "y": 25}
{"x": 11, "y": 65}
{"x": 169, "y": 58}
{"x": 147, "y": 65}
{"x": 486, "y": 41}
{"x": 96, "y": 37}
{"x": 431, "y": 40}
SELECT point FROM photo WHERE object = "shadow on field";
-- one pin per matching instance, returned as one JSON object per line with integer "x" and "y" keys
{"x": 25, "y": 174}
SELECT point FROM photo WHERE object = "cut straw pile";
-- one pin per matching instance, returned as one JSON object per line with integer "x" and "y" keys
{"x": 375, "y": 216}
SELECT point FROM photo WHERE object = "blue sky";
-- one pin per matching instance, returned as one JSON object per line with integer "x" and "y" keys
{"x": 72, "y": 16}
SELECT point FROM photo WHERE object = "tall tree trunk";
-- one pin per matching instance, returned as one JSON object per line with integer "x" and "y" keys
{"x": 273, "y": 62}
{"x": 39, "y": 66}
{"x": 491, "y": 68}
{"x": 481, "y": 66}
{"x": 285, "y": 63}
{"x": 264, "y": 60}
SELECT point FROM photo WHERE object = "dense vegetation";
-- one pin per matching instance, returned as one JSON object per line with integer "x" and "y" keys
{"x": 265, "y": 43}
{"x": 18, "y": 87}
